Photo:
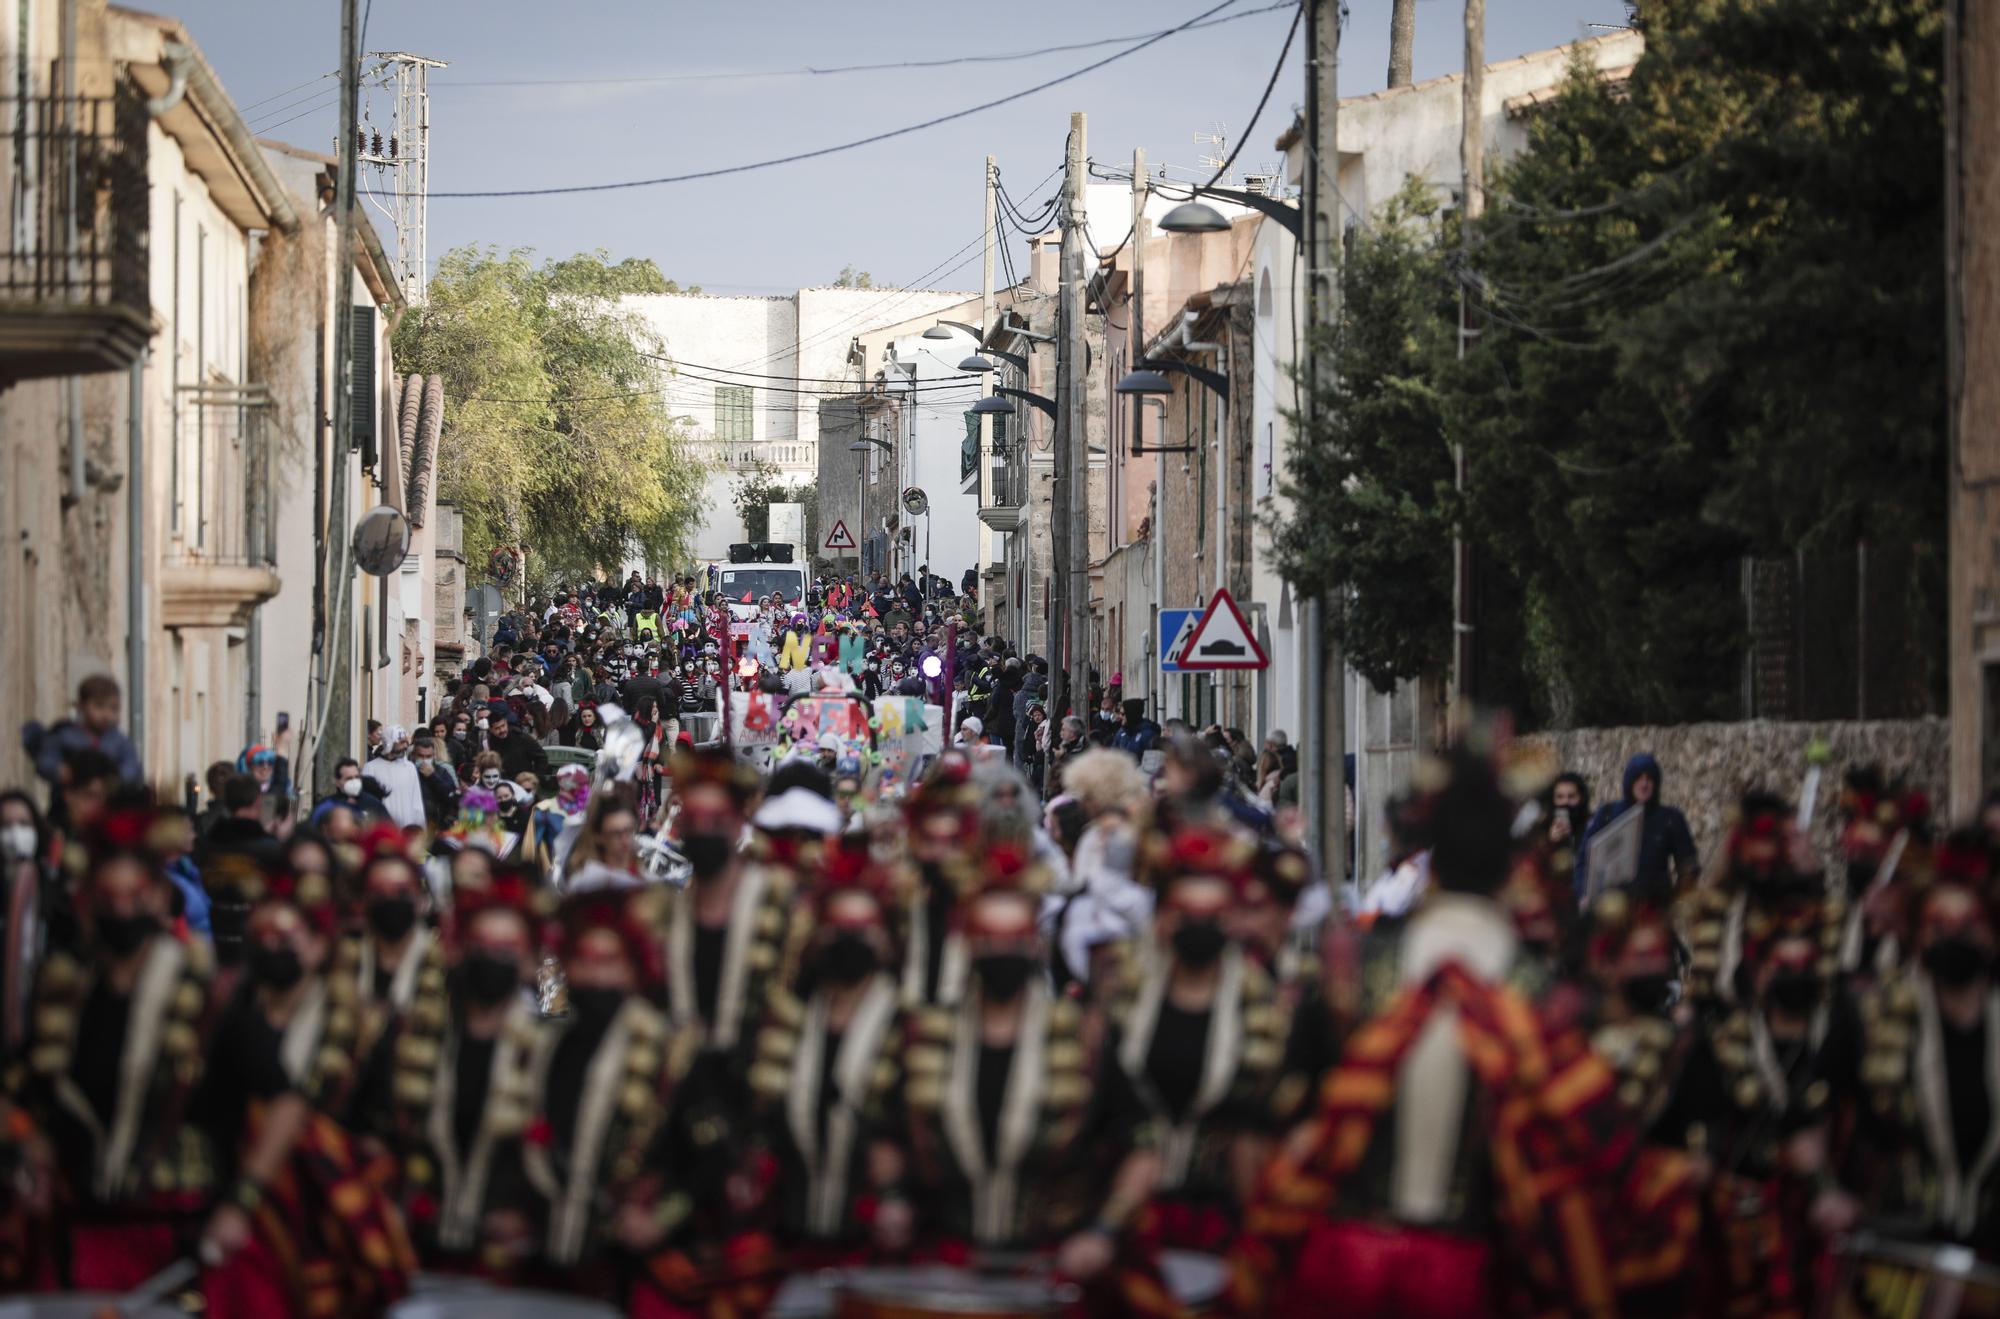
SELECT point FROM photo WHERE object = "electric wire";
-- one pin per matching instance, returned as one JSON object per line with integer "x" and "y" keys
{"x": 820, "y": 152}
{"x": 811, "y": 71}
{"x": 274, "y": 96}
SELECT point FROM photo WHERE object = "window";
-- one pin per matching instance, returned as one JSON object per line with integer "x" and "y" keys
{"x": 733, "y": 407}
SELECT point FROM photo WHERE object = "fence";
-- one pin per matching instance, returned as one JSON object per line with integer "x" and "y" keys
{"x": 80, "y": 190}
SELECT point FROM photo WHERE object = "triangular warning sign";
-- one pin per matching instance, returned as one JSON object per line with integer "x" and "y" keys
{"x": 840, "y": 538}
{"x": 1223, "y": 640}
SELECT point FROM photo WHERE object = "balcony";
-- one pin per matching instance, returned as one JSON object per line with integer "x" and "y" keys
{"x": 222, "y": 551}
{"x": 73, "y": 270}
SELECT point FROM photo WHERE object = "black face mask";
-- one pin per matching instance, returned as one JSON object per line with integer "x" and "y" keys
{"x": 391, "y": 918}
{"x": 594, "y": 1003}
{"x": 280, "y": 968}
{"x": 1648, "y": 994}
{"x": 847, "y": 959}
{"x": 1002, "y": 976}
{"x": 1798, "y": 994}
{"x": 121, "y": 936}
{"x": 1198, "y": 943}
{"x": 488, "y": 980}
{"x": 708, "y": 853}
{"x": 1954, "y": 961}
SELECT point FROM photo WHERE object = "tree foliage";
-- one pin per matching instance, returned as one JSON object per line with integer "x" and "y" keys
{"x": 555, "y": 435}
{"x": 1707, "y": 303}
{"x": 759, "y": 487}
{"x": 850, "y": 278}
{"x": 1370, "y": 484}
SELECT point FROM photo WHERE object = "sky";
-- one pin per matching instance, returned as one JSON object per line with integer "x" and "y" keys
{"x": 717, "y": 83}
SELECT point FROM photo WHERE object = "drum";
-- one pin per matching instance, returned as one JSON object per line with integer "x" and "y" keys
{"x": 473, "y": 1302}
{"x": 83, "y": 1305}
{"x": 1879, "y": 1278}
{"x": 805, "y": 1296}
{"x": 937, "y": 1292}
{"x": 1196, "y": 1280}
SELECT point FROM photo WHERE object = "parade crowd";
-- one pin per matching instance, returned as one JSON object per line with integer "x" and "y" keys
{"x": 565, "y": 993}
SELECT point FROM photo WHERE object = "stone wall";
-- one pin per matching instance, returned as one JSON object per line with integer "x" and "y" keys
{"x": 1707, "y": 767}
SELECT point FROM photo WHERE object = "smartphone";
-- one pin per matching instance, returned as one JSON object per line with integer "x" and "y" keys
{"x": 284, "y": 720}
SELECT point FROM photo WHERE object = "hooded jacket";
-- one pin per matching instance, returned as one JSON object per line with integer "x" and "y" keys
{"x": 1663, "y": 835}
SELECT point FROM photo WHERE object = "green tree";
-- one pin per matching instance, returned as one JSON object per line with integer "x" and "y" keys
{"x": 759, "y": 487}
{"x": 555, "y": 434}
{"x": 1370, "y": 483}
{"x": 850, "y": 278}
{"x": 1707, "y": 306}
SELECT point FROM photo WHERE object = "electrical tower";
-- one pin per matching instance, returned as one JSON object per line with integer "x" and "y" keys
{"x": 406, "y": 157}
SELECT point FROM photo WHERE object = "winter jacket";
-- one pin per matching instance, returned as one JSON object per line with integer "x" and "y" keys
{"x": 1664, "y": 836}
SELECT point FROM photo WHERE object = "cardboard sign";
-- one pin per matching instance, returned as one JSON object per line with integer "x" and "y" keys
{"x": 907, "y": 730}
{"x": 755, "y": 719}
{"x": 1614, "y": 852}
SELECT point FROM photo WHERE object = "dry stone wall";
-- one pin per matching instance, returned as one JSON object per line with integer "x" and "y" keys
{"x": 1707, "y": 767}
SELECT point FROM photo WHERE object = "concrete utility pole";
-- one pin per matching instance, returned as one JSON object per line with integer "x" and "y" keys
{"x": 986, "y": 491}
{"x": 1074, "y": 442}
{"x": 1472, "y": 197}
{"x": 1324, "y": 732}
{"x": 1402, "y": 36}
{"x": 336, "y": 661}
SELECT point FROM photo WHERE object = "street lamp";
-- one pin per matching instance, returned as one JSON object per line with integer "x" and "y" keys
{"x": 943, "y": 329}
{"x": 1192, "y": 217}
{"x": 1148, "y": 378}
{"x": 977, "y": 365}
{"x": 992, "y": 405}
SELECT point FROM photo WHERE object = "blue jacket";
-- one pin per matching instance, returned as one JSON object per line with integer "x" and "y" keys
{"x": 194, "y": 898}
{"x": 1136, "y": 741}
{"x": 1663, "y": 835}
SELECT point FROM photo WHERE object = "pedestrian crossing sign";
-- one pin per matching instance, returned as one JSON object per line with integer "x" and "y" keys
{"x": 1223, "y": 640}
{"x": 1177, "y": 626}
{"x": 840, "y": 538}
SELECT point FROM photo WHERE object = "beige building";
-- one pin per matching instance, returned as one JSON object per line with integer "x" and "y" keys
{"x": 151, "y": 323}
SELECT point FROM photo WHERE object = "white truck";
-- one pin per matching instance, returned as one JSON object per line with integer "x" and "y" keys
{"x": 759, "y": 569}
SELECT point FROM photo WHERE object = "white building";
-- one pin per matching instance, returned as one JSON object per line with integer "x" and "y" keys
{"x": 748, "y": 373}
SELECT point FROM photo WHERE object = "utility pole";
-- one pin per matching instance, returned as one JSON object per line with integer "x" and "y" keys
{"x": 336, "y": 662}
{"x": 1472, "y": 204}
{"x": 1075, "y": 439}
{"x": 1323, "y": 765}
{"x": 1402, "y": 36}
{"x": 986, "y": 490}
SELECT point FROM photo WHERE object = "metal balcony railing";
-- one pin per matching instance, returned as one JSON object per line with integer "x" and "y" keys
{"x": 77, "y": 196}
{"x": 225, "y": 493}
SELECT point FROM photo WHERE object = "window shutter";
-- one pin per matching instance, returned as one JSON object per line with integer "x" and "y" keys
{"x": 365, "y": 407}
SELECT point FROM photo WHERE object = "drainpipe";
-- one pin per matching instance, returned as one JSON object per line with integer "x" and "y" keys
{"x": 72, "y": 387}
{"x": 135, "y": 558}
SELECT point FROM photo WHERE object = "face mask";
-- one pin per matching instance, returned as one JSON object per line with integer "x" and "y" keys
{"x": 489, "y": 779}
{"x": 121, "y": 936}
{"x": 391, "y": 918}
{"x": 1648, "y": 994}
{"x": 1198, "y": 943}
{"x": 1002, "y": 976}
{"x": 594, "y": 1003}
{"x": 1795, "y": 993}
{"x": 17, "y": 841}
{"x": 847, "y": 959}
{"x": 280, "y": 968}
{"x": 351, "y": 788}
{"x": 1954, "y": 961}
{"x": 707, "y": 853}
{"x": 489, "y": 979}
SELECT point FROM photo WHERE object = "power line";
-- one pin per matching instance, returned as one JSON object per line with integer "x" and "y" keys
{"x": 835, "y": 391}
{"x": 811, "y": 71}
{"x": 685, "y": 366}
{"x": 817, "y": 153}
{"x": 274, "y": 96}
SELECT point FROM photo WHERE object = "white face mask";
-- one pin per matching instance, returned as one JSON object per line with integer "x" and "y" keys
{"x": 17, "y": 841}
{"x": 490, "y": 779}
{"x": 350, "y": 788}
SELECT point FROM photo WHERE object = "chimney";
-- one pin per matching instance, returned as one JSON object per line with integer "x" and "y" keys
{"x": 1402, "y": 35}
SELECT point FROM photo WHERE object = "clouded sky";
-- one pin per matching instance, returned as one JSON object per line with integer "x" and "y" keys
{"x": 594, "y": 91}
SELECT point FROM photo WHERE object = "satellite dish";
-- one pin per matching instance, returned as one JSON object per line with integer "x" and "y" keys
{"x": 915, "y": 502}
{"x": 381, "y": 540}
